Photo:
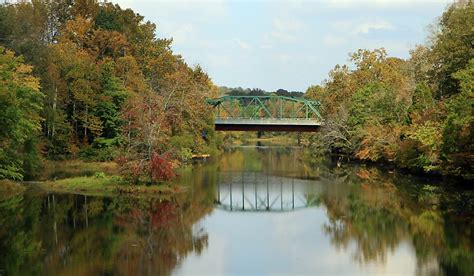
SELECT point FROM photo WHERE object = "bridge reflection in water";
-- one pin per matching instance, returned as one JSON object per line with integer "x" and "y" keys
{"x": 255, "y": 191}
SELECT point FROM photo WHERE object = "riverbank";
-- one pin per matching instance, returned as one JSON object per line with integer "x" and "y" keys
{"x": 105, "y": 185}
{"x": 434, "y": 175}
{"x": 55, "y": 170}
{"x": 95, "y": 178}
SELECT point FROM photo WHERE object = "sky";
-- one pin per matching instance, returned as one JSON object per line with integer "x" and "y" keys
{"x": 288, "y": 44}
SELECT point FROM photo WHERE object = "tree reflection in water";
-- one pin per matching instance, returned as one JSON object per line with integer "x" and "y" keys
{"x": 73, "y": 234}
{"x": 369, "y": 213}
{"x": 378, "y": 212}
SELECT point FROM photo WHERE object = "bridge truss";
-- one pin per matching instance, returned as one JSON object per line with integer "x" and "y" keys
{"x": 270, "y": 112}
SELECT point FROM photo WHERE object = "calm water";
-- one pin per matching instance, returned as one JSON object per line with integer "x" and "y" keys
{"x": 252, "y": 211}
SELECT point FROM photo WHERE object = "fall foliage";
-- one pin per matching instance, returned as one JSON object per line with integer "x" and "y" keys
{"x": 416, "y": 113}
{"x": 109, "y": 87}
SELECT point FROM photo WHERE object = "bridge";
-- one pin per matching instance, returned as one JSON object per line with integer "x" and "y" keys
{"x": 266, "y": 113}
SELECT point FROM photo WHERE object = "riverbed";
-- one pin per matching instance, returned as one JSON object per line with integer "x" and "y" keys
{"x": 252, "y": 210}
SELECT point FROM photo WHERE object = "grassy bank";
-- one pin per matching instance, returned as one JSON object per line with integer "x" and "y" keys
{"x": 104, "y": 185}
{"x": 54, "y": 170}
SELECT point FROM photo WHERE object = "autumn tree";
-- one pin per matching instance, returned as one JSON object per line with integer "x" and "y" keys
{"x": 416, "y": 113}
{"x": 20, "y": 102}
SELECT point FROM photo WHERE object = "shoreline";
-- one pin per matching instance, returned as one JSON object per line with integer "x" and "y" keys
{"x": 435, "y": 175}
{"x": 102, "y": 179}
{"x": 107, "y": 186}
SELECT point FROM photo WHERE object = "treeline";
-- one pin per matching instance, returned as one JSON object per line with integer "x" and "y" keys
{"x": 85, "y": 79}
{"x": 239, "y": 91}
{"x": 416, "y": 113}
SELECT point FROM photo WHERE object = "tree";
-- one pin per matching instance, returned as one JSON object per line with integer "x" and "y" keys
{"x": 314, "y": 92}
{"x": 458, "y": 129}
{"x": 97, "y": 63}
{"x": 146, "y": 132}
{"x": 110, "y": 102}
{"x": 452, "y": 47}
{"x": 417, "y": 112}
{"x": 20, "y": 102}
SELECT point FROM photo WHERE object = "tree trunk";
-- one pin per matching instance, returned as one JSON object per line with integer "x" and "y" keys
{"x": 84, "y": 140}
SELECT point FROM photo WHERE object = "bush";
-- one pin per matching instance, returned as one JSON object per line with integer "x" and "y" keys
{"x": 158, "y": 168}
{"x": 101, "y": 150}
{"x": 179, "y": 142}
{"x": 185, "y": 154}
{"x": 99, "y": 175}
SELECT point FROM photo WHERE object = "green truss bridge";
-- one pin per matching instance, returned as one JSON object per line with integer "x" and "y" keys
{"x": 266, "y": 113}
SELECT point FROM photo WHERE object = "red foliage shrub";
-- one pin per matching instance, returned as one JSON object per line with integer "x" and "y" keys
{"x": 161, "y": 167}
{"x": 158, "y": 168}
{"x": 131, "y": 170}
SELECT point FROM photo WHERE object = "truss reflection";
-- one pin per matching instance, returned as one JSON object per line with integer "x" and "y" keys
{"x": 258, "y": 192}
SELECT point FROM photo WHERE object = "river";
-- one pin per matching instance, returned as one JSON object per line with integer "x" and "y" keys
{"x": 250, "y": 211}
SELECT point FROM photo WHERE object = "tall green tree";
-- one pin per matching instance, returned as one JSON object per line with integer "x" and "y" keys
{"x": 458, "y": 129}
{"x": 452, "y": 46}
{"x": 20, "y": 102}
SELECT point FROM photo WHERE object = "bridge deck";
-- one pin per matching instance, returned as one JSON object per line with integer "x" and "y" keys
{"x": 300, "y": 125}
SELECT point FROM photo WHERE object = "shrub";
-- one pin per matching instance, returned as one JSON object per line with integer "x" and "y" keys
{"x": 158, "y": 168}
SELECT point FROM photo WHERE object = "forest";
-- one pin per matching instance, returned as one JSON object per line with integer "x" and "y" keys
{"x": 239, "y": 91}
{"x": 415, "y": 113}
{"x": 89, "y": 80}
{"x": 86, "y": 80}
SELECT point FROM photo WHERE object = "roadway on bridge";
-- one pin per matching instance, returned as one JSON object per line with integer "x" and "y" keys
{"x": 300, "y": 125}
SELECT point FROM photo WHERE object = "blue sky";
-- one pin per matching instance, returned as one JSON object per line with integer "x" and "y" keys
{"x": 285, "y": 44}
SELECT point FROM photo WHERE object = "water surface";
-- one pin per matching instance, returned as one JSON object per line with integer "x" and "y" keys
{"x": 251, "y": 211}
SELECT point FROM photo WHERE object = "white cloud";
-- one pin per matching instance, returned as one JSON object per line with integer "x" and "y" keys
{"x": 125, "y": 3}
{"x": 285, "y": 30}
{"x": 281, "y": 36}
{"x": 218, "y": 61}
{"x": 393, "y": 47}
{"x": 287, "y": 42}
{"x": 367, "y": 27}
{"x": 129, "y": 2}
{"x": 283, "y": 58}
{"x": 331, "y": 40}
{"x": 242, "y": 44}
{"x": 182, "y": 33}
{"x": 383, "y": 3}
{"x": 362, "y": 27}
{"x": 288, "y": 24}
{"x": 207, "y": 10}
